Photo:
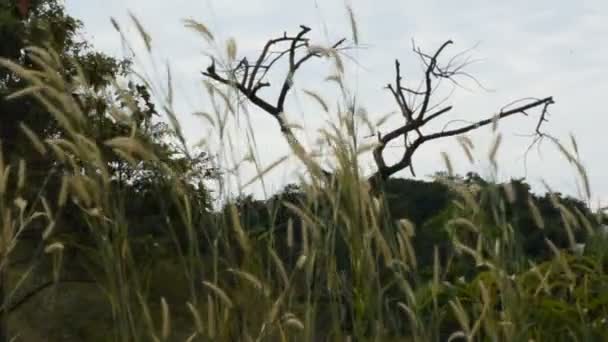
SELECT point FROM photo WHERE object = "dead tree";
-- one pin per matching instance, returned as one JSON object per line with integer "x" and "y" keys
{"x": 415, "y": 105}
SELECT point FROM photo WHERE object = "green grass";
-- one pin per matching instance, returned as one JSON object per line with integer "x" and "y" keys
{"x": 339, "y": 268}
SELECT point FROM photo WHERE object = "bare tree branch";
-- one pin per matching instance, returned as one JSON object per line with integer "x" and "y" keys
{"x": 430, "y": 71}
{"x": 251, "y": 83}
{"x": 433, "y": 71}
{"x": 417, "y": 105}
{"x": 385, "y": 171}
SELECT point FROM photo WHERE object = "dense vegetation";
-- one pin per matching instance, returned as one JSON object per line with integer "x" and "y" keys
{"x": 111, "y": 232}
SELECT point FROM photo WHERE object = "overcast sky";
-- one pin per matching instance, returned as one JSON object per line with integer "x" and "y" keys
{"x": 524, "y": 48}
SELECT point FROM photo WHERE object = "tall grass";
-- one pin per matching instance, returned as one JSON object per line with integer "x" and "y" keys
{"x": 340, "y": 269}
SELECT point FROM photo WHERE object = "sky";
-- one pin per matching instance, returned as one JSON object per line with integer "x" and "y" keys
{"x": 521, "y": 49}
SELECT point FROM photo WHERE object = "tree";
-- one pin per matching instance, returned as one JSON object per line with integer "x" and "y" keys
{"x": 44, "y": 24}
{"x": 418, "y": 107}
{"x": 28, "y": 30}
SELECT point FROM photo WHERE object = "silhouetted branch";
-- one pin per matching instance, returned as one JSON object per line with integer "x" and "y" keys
{"x": 416, "y": 105}
{"x": 433, "y": 71}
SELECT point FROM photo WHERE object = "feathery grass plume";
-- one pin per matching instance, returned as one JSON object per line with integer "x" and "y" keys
{"x": 56, "y": 250}
{"x": 337, "y": 79}
{"x": 510, "y": 192}
{"x": 494, "y": 149}
{"x": 219, "y": 293}
{"x": 292, "y": 321}
{"x": 289, "y": 233}
{"x": 49, "y": 77}
{"x": 206, "y": 116}
{"x": 561, "y": 259}
{"x": 436, "y": 274}
{"x": 79, "y": 188}
{"x": 147, "y": 317}
{"x": 34, "y": 139}
{"x": 280, "y": 267}
{"x": 48, "y": 214}
{"x": 251, "y": 279}
{"x": 464, "y": 222}
{"x": 54, "y": 247}
{"x": 536, "y": 216}
{"x": 448, "y": 163}
{"x": 462, "y": 248}
{"x": 50, "y": 227}
{"x": 364, "y": 148}
{"x": 466, "y": 195}
{"x": 577, "y": 164}
{"x": 166, "y": 319}
{"x": 80, "y": 80}
{"x": 461, "y": 316}
{"x": 65, "y": 148}
{"x": 574, "y": 145}
{"x": 305, "y": 239}
{"x": 353, "y": 24}
{"x": 21, "y": 174}
{"x": 383, "y": 248}
{"x": 231, "y": 49}
{"x": 569, "y": 221}
{"x": 198, "y": 321}
{"x": 21, "y": 204}
{"x": 169, "y": 97}
{"x": 276, "y": 306}
{"x": 406, "y": 249}
{"x": 7, "y": 234}
{"x": 131, "y": 147}
{"x": 301, "y": 262}
{"x": 407, "y": 227}
{"x": 339, "y": 64}
{"x": 266, "y": 170}
{"x": 199, "y": 28}
{"x": 211, "y": 319}
{"x": 467, "y": 146}
{"x": 305, "y": 217}
{"x": 143, "y": 34}
{"x": 585, "y": 221}
{"x": 543, "y": 278}
{"x": 318, "y": 50}
{"x": 457, "y": 335}
{"x": 2, "y": 166}
{"x": 48, "y": 93}
{"x": 47, "y": 56}
{"x": 63, "y": 190}
{"x": 315, "y": 96}
{"x": 228, "y": 102}
{"x": 242, "y": 237}
{"x": 485, "y": 302}
{"x": 411, "y": 315}
{"x": 25, "y": 92}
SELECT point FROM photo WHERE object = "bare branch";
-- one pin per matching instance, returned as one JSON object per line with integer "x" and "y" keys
{"x": 292, "y": 69}
{"x": 430, "y": 71}
{"x": 519, "y": 110}
{"x": 385, "y": 171}
{"x": 267, "y": 107}
{"x": 417, "y": 106}
{"x": 251, "y": 80}
{"x": 437, "y": 114}
{"x": 427, "y": 112}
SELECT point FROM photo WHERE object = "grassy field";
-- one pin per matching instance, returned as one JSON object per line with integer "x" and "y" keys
{"x": 328, "y": 263}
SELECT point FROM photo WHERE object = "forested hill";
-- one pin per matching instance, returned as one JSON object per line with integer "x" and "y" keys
{"x": 430, "y": 205}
